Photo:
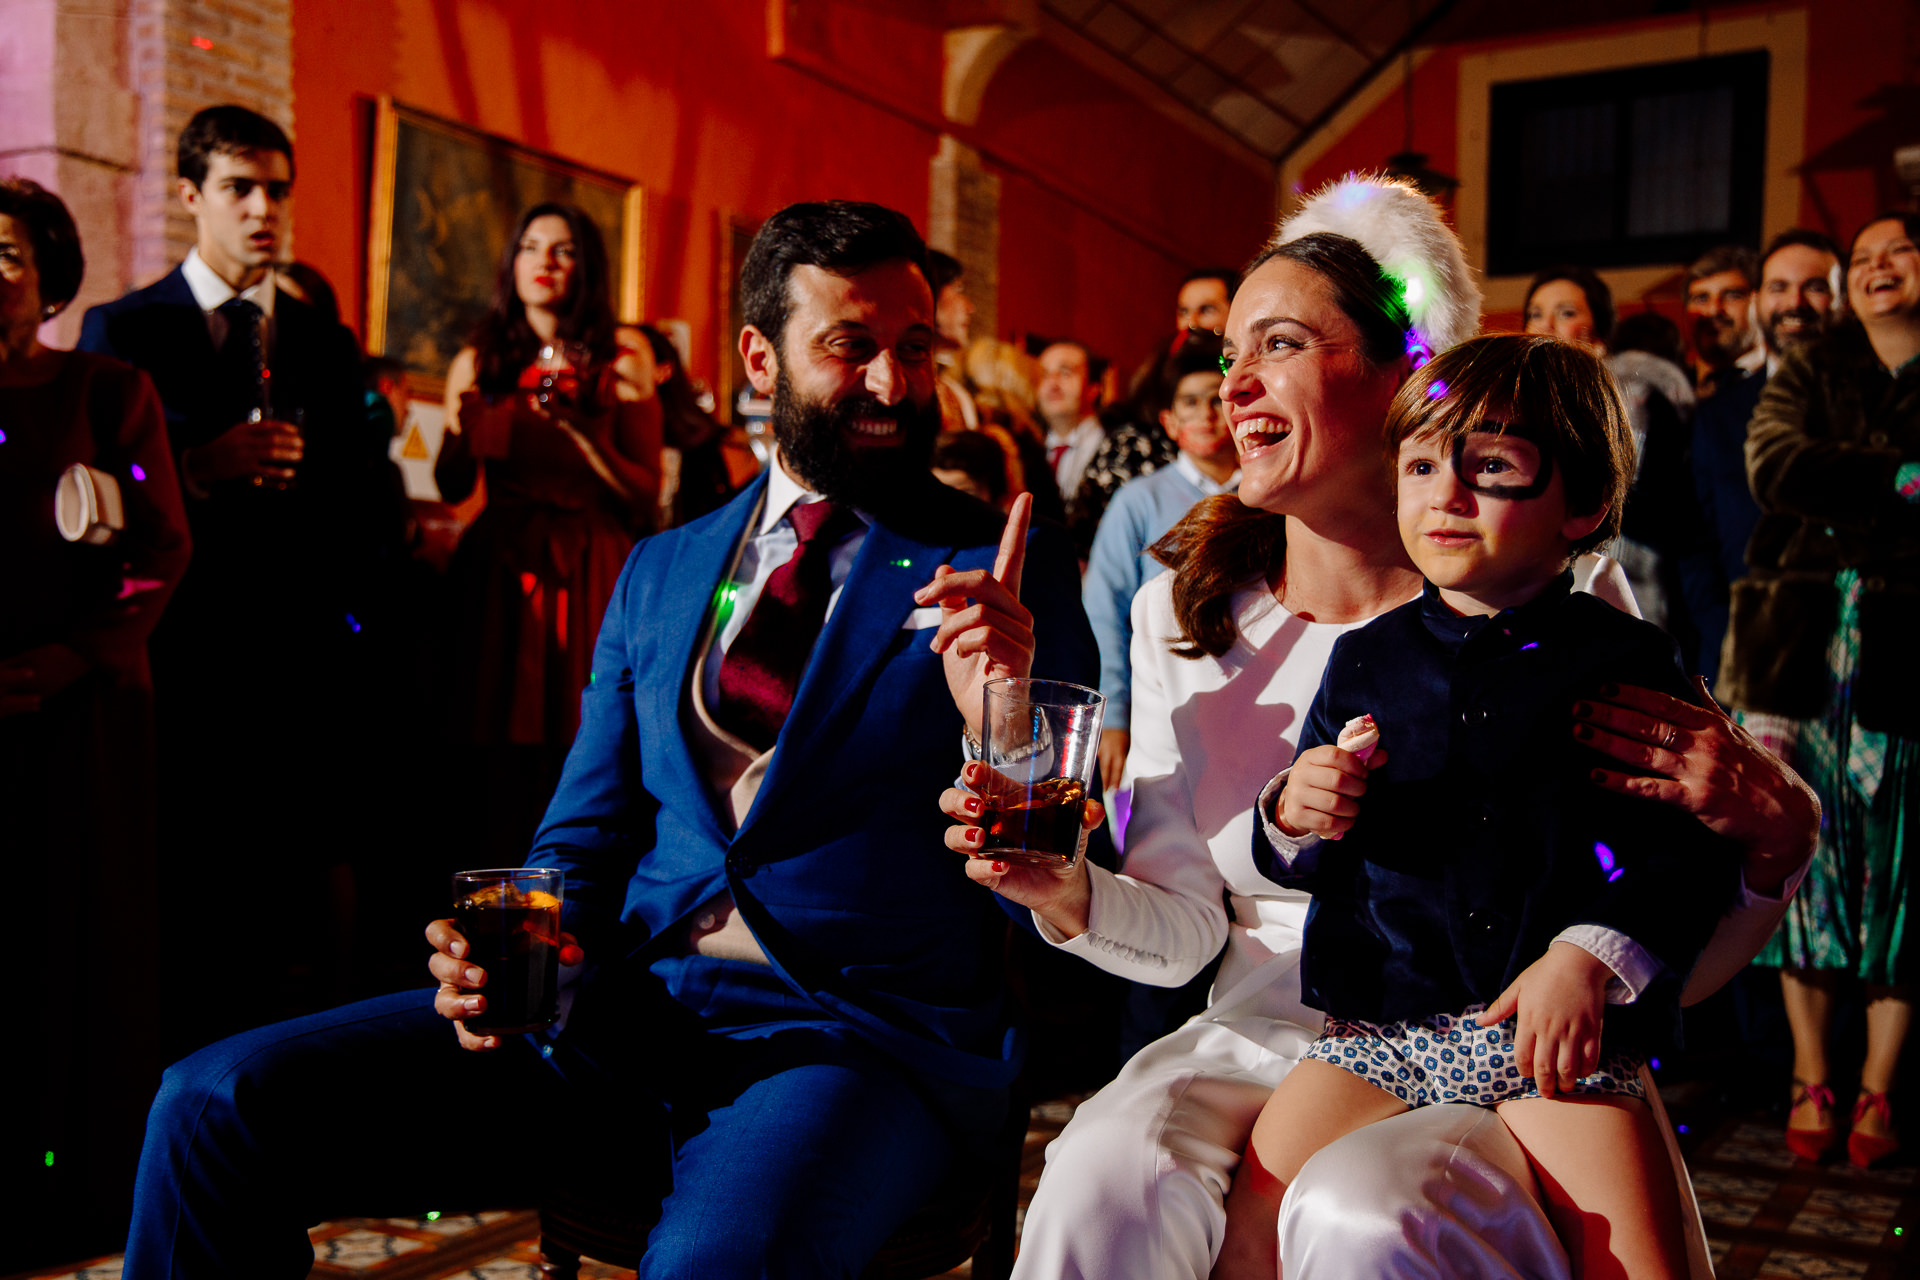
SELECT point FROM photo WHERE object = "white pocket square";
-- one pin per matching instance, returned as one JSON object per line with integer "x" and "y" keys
{"x": 921, "y": 619}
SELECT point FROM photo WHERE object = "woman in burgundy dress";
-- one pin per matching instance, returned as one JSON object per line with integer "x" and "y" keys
{"x": 552, "y": 408}
{"x": 76, "y": 744}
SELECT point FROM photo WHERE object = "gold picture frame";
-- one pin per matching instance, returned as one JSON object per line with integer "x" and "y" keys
{"x": 735, "y": 237}
{"x": 445, "y": 197}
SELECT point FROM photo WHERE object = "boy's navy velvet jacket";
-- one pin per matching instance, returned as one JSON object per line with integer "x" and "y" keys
{"x": 1483, "y": 835}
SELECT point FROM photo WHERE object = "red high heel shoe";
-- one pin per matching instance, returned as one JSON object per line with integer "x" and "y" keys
{"x": 1812, "y": 1144}
{"x": 1865, "y": 1149}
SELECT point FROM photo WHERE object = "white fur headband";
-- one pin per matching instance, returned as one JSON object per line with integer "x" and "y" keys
{"x": 1406, "y": 235}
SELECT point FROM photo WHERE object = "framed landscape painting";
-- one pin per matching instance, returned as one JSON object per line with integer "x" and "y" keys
{"x": 445, "y": 198}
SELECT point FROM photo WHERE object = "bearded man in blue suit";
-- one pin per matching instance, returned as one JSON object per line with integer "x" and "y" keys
{"x": 792, "y": 1015}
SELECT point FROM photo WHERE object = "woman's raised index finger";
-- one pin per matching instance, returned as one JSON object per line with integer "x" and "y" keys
{"x": 1013, "y": 545}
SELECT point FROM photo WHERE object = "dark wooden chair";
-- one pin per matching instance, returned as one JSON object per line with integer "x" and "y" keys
{"x": 970, "y": 1216}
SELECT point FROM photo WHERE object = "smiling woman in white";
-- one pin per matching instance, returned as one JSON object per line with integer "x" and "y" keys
{"x": 1134, "y": 1186}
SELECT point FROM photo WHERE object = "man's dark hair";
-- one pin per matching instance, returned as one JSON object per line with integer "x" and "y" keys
{"x": 942, "y": 270}
{"x": 229, "y": 130}
{"x": 1651, "y": 332}
{"x": 1726, "y": 257}
{"x": 1599, "y": 297}
{"x": 50, "y": 230}
{"x": 1225, "y": 275}
{"x": 1816, "y": 240}
{"x": 845, "y": 237}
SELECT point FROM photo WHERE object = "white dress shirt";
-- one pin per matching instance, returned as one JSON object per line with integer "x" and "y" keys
{"x": 771, "y": 546}
{"x": 212, "y": 293}
{"x": 1081, "y": 444}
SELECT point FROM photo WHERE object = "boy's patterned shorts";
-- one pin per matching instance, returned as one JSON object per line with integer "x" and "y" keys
{"x": 1447, "y": 1058}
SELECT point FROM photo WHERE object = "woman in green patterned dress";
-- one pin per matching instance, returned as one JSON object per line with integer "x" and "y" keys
{"x": 1822, "y": 654}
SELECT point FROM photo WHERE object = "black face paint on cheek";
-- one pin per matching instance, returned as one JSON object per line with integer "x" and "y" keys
{"x": 1508, "y": 492}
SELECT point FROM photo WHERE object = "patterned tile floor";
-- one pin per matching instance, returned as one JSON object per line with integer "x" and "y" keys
{"x": 1768, "y": 1217}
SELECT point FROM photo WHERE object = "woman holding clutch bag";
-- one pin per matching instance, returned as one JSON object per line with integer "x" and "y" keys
{"x": 553, "y": 408}
{"x": 76, "y": 726}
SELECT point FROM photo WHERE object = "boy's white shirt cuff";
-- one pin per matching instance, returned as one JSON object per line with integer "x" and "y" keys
{"x": 1753, "y": 898}
{"x": 1285, "y": 847}
{"x": 1634, "y": 967}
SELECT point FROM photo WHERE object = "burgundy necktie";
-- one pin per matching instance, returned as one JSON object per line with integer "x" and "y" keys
{"x": 762, "y": 667}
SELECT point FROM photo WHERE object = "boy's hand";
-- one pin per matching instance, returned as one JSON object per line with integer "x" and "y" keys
{"x": 1560, "y": 998}
{"x": 1322, "y": 795}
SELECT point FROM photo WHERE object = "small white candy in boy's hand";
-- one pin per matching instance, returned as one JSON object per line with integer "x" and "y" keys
{"x": 1359, "y": 735}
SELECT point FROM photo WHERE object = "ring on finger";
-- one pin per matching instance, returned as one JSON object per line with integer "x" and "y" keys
{"x": 1671, "y": 736}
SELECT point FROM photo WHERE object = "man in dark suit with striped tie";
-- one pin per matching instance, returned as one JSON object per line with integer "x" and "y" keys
{"x": 261, "y": 660}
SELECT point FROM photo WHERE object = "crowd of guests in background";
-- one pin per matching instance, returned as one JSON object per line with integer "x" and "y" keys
{"x": 295, "y": 604}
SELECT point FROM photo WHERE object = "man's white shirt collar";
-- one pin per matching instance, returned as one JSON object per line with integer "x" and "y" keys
{"x": 1187, "y": 467}
{"x": 212, "y": 293}
{"x": 784, "y": 493}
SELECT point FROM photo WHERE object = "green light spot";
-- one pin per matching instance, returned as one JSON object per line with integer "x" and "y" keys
{"x": 434, "y": 1216}
{"x": 903, "y": 564}
{"x": 1899, "y": 1231}
{"x": 49, "y": 1159}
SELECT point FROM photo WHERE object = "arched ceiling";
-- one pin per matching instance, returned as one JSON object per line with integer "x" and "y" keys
{"x": 1269, "y": 73}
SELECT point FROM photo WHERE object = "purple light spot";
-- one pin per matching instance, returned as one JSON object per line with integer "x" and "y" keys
{"x": 1682, "y": 1128}
{"x": 1604, "y": 856}
{"x": 1438, "y": 389}
{"x": 139, "y": 472}
{"x": 3, "y": 437}
{"x": 1655, "y": 1064}
{"x": 1531, "y": 644}
{"x": 1615, "y": 876}
{"x": 353, "y": 624}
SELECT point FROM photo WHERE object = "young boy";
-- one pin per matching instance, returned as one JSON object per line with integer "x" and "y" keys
{"x": 1478, "y": 902}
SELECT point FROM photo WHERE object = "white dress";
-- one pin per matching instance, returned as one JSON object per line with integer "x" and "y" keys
{"x": 1135, "y": 1185}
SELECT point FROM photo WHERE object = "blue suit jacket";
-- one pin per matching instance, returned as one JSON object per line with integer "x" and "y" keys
{"x": 839, "y": 868}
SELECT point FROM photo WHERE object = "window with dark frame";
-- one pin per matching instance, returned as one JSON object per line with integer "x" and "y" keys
{"x": 1643, "y": 166}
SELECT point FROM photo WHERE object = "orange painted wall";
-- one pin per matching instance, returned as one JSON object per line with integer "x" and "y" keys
{"x": 1087, "y": 174}
{"x": 683, "y": 98}
{"x": 1854, "y": 50}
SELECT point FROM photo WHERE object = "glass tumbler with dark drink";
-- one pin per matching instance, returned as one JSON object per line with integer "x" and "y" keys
{"x": 511, "y": 921}
{"x": 1042, "y": 742}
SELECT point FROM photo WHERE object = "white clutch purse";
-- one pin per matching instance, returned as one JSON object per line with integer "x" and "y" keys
{"x": 86, "y": 505}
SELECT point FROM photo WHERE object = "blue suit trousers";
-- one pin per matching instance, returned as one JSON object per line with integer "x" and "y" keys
{"x": 777, "y": 1146}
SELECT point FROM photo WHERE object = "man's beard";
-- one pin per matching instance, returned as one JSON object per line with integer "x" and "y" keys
{"x": 815, "y": 442}
{"x": 1718, "y": 342}
{"x": 1811, "y": 324}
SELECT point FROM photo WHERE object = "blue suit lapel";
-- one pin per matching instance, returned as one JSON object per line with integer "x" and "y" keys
{"x": 676, "y": 626}
{"x": 873, "y": 606}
